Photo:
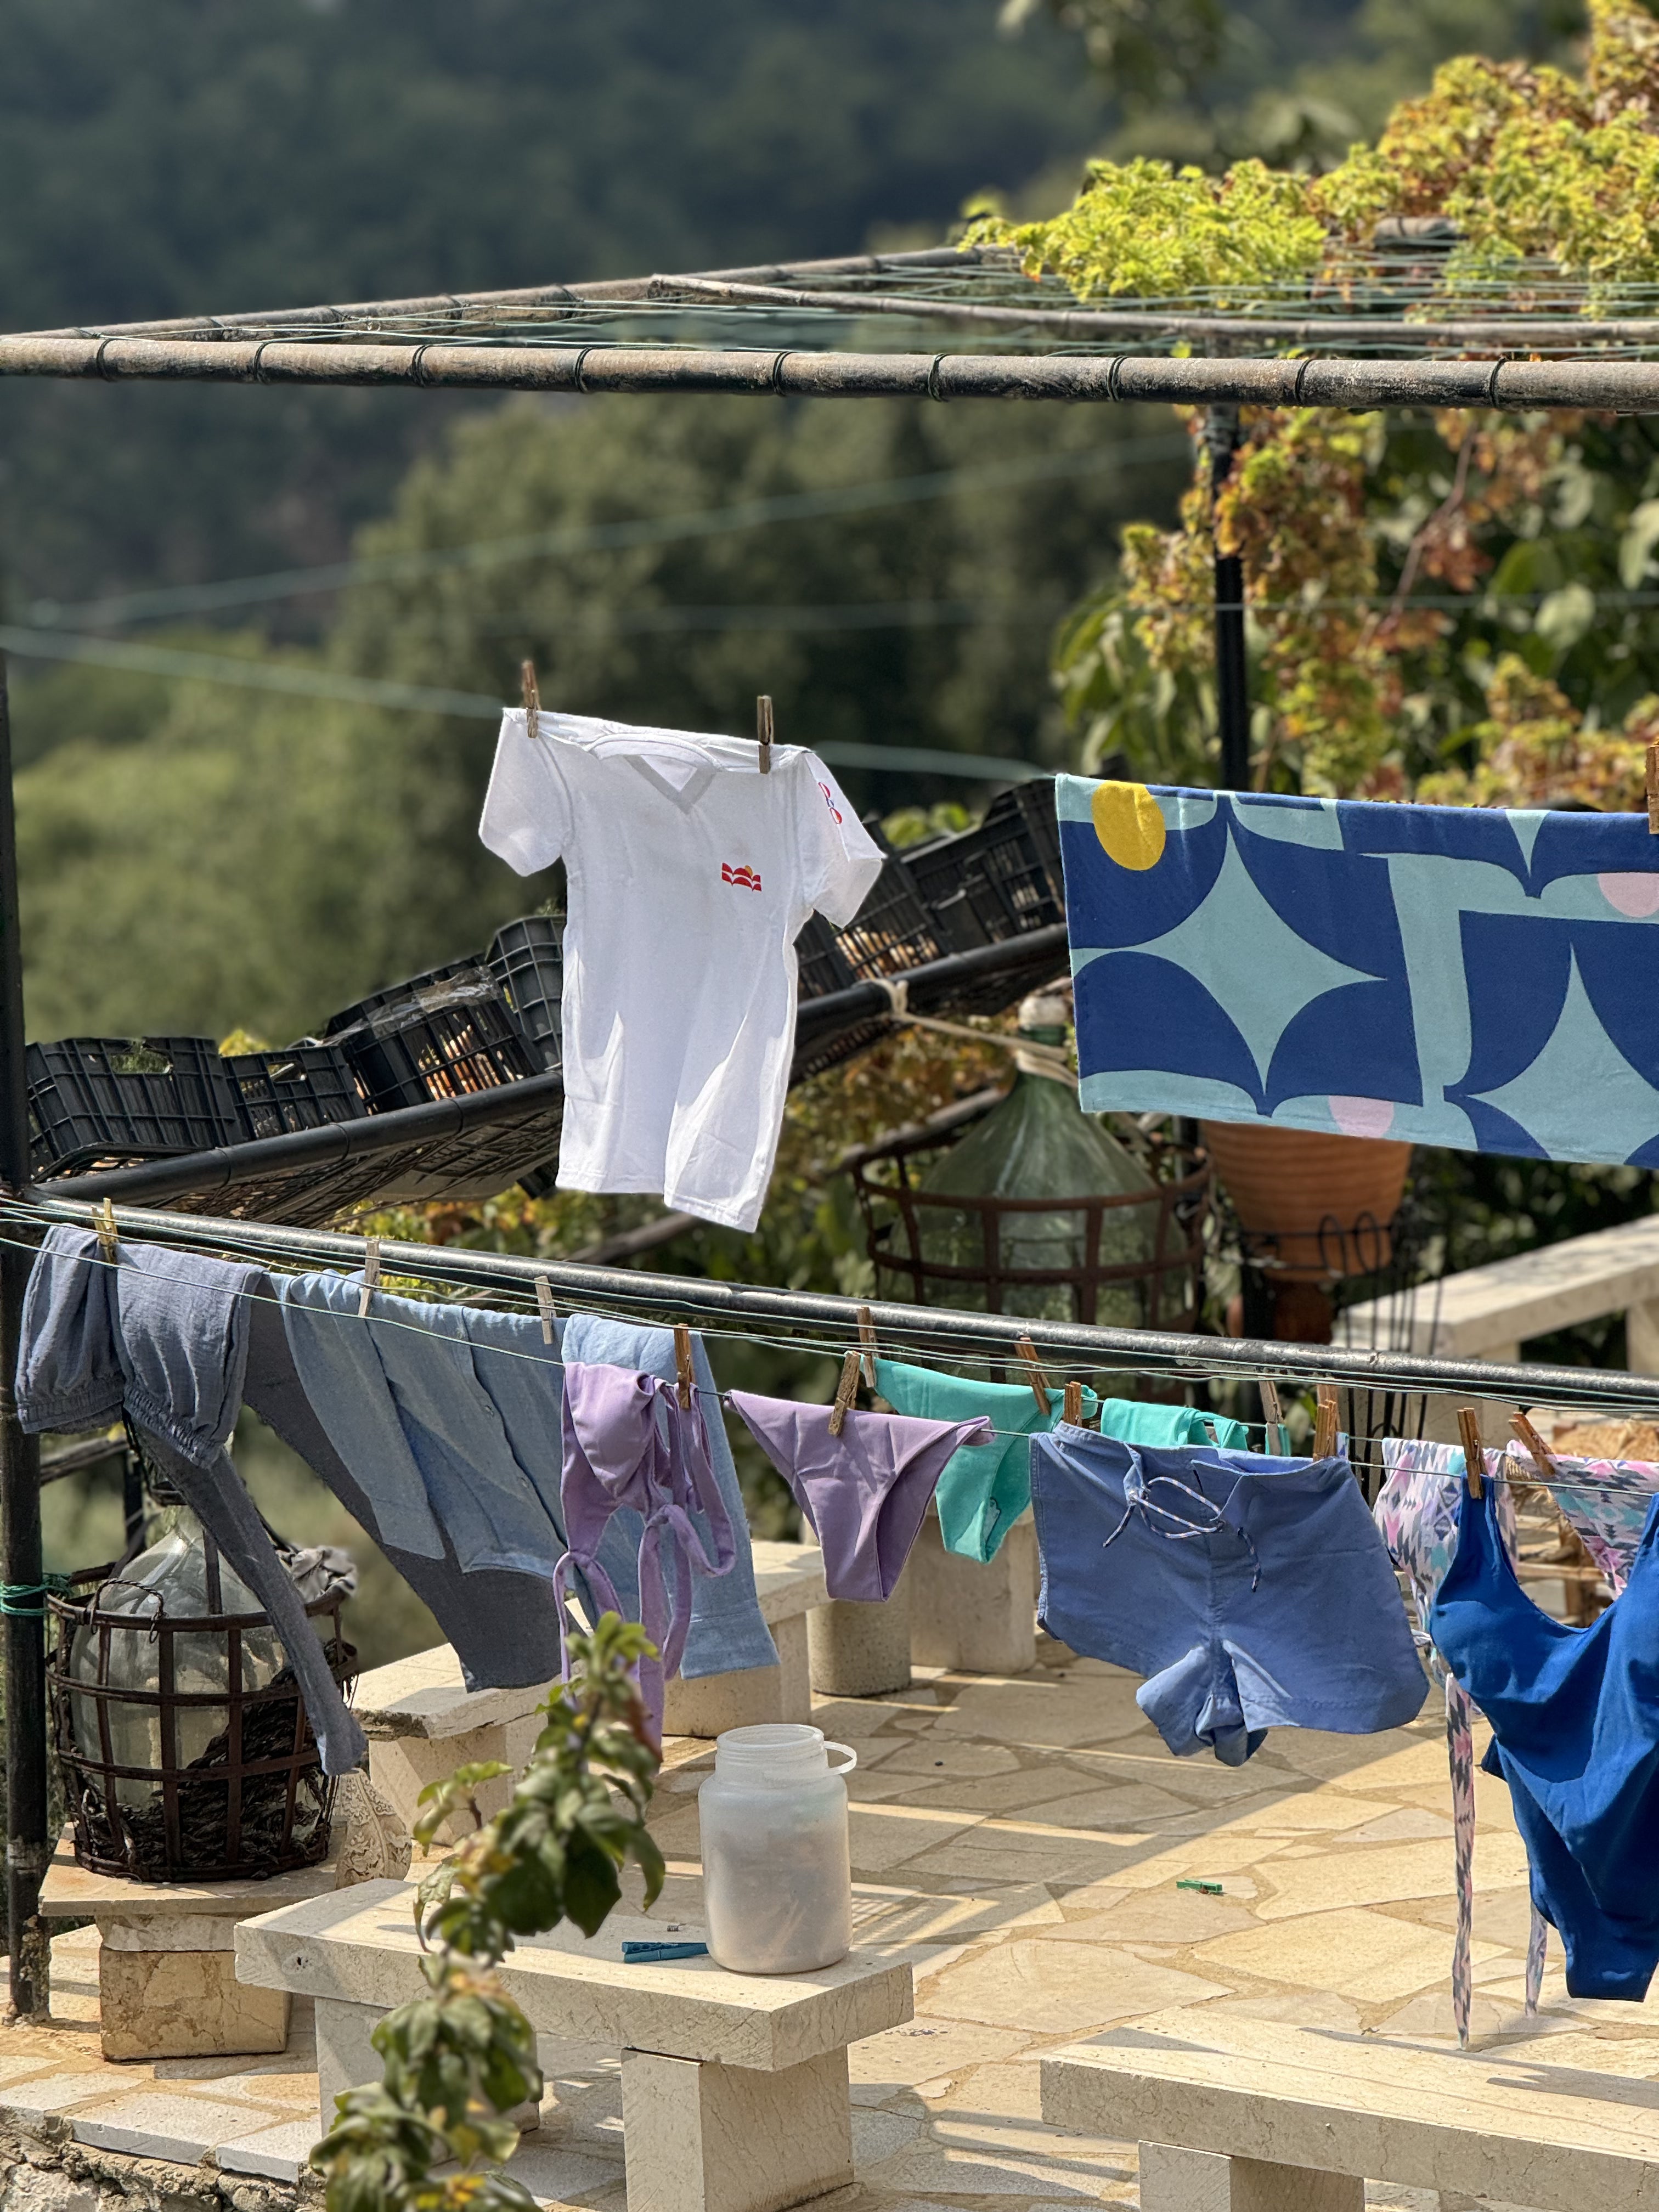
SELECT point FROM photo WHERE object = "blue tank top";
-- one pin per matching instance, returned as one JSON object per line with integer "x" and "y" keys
{"x": 1575, "y": 1721}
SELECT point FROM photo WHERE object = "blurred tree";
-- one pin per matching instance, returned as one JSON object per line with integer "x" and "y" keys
{"x": 186, "y": 157}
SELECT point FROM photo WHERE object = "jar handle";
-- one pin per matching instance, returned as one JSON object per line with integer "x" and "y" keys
{"x": 852, "y": 1757}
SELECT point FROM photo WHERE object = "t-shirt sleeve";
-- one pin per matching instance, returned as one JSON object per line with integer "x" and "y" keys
{"x": 527, "y": 818}
{"x": 840, "y": 859}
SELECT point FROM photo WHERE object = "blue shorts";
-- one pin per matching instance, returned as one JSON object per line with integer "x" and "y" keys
{"x": 1252, "y": 1593}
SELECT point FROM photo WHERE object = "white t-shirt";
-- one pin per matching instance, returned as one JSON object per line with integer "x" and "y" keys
{"x": 690, "y": 875}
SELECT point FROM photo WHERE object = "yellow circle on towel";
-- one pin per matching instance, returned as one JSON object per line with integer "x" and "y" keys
{"x": 1129, "y": 824}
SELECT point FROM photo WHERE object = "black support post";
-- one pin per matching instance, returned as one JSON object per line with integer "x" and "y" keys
{"x": 20, "y": 1563}
{"x": 1232, "y": 675}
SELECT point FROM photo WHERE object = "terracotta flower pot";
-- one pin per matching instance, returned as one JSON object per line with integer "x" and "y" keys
{"x": 1318, "y": 1206}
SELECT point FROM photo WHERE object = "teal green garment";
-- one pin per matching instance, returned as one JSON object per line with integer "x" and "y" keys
{"x": 985, "y": 1487}
{"x": 1133, "y": 1423}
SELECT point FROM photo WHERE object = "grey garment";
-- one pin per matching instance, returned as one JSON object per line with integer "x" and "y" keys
{"x": 450, "y": 1417}
{"x": 163, "y": 1337}
{"x": 728, "y": 1633}
{"x": 504, "y": 1625}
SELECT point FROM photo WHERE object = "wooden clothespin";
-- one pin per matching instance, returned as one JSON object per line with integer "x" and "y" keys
{"x": 1072, "y": 1413}
{"x": 763, "y": 732}
{"x": 1272, "y": 1413}
{"x": 1542, "y": 1457}
{"x": 532, "y": 698}
{"x": 1653, "y": 787}
{"x": 109, "y": 1244}
{"x": 845, "y": 1390}
{"x": 867, "y": 1338}
{"x": 371, "y": 1274}
{"x": 544, "y": 1307}
{"x": 1325, "y": 1422}
{"x": 683, "y": 1367}
{"x": 1039, "y": 1380}
{"x": 1475, "y": 1453}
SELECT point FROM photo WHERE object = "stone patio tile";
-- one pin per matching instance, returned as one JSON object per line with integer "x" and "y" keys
{"x": 930, "y": 2046}
{"x": 856, "y": 1719}
{"x": 156, "y": 2125}
{"x": 951, "y": 1757}
{"x": 56, "y": 2092}
{"x": 884, "y": 1918}
{"x": 959, "y": 2173}
{"x": 1030, "y": 1711}
{"x": 1155, "y": 1916}
{"x": 1203, "y": 1781}
{"x": 1057, "y": 1859}
{"x": 1059, "y": 1988}
{"x": 1129, "y": 1805}
{"x": 1349, "y": 1762}
{"x": 881, "y": 1782}
{"x": 878, "y": 2136}
{"x": 1381, "y": 1874}
{"x": 554, "y": 2175}
{"x": 1359, "y": 1954}
{"x": 1297, "y": 2007}
{"x": 278, "y": 2154}
{"x": 1024, "y": 1788}
{"x": 1161, "y": 1859}
{"x": 1502, "y": 1916}
{"x": 887, "y": 1835}
{"x": 1304, "y": 1813}
{"x": 1410, "y": 1822}
{"x": 1010, "y": 2089}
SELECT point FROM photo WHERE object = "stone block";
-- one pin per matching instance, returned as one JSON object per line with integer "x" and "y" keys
{"x": 859, "y": 1650}
{"x": 282, "y": 2153}
{"x": 1173, "y": 2180}
{"x": 401, "y": 1766}
{"x": 346, "y": 2059}
{"x": 183, "y": 2004}
{"x": 706, "y": 2138}
{"x": 973, "y": 1619}
{"x": 711, "y": 1704}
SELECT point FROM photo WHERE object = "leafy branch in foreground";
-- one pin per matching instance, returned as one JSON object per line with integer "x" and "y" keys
{"x": 459, "y": 2061}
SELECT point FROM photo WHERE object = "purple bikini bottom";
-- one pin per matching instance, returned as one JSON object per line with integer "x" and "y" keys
{"x": 866, "y": 1491}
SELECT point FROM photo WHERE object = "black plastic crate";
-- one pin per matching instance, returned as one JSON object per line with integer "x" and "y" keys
{"x": 445, "y": 1035}
{"x": 306, "y": 1087}
{"x": 128, "y": 1098}
{"x": 893, "y": 931}
{"x": 527, "y": 960}
{"x": 823, "y": 965}
{"x": 1000, "y": 880}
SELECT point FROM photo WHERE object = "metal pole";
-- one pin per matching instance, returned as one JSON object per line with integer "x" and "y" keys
{"x": 21, "y": 1562}
{"x": 1232, "y": 675}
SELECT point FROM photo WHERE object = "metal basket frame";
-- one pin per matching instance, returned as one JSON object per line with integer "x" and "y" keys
{"x": 104, "y": 1839}
{"x": 1180, "y": 1241}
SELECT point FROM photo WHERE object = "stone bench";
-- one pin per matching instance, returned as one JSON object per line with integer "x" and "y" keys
{"x": 1239, "y": 2115}
{"x": 422, "y": 1722}
{"x": 735, "y": 2089}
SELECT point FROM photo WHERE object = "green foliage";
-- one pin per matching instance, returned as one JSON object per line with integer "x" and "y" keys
{"x": 458, "y": 2061}
{"x": 1147, "y": 228}
{"x": 1150, "y": 52}
{"x": 1530, "y": 163}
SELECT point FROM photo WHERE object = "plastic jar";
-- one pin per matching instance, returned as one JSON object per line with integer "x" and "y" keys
{"x": 777, "y": 1874}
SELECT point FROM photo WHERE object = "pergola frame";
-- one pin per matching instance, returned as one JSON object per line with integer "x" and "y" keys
{"x": 330, "y": 345}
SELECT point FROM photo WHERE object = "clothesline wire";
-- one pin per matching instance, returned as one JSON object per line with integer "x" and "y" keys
{"x": 623, "y": 1305}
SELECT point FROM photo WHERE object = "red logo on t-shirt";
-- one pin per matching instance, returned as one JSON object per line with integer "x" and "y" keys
{"x": 746, "y": 879}
{"x": 830, "y": 801}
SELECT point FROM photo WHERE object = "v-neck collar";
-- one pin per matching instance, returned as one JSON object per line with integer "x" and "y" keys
{"x": 685, "y": 796}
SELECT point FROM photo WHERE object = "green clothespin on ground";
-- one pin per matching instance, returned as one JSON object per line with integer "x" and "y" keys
{"x": 1206, "y": 1888}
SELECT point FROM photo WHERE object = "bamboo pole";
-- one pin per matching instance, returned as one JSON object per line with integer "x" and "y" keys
{"x": 1508, "y": 330}
{"x": 462, "y": 306}
{"x": 1619, "y": 387}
